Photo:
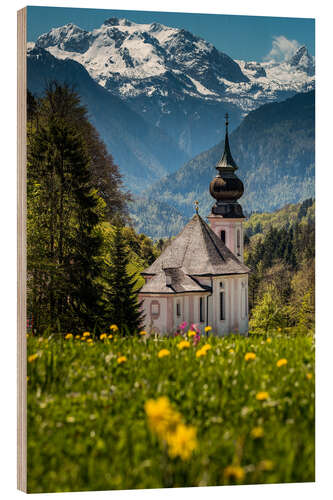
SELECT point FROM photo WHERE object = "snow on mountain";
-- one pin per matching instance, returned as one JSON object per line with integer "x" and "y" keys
{"x": 133, "y": 60}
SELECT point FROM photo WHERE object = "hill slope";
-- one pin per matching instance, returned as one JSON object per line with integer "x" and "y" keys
{"x": 274, "y": 149}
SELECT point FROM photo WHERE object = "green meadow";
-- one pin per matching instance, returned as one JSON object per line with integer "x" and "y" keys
{"x": 246, "y": 418}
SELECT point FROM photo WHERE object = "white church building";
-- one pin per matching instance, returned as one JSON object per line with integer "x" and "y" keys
{"x": 200, "y": 277}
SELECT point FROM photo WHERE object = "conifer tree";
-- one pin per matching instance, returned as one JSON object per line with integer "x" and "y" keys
{"x": 122, "y": 303}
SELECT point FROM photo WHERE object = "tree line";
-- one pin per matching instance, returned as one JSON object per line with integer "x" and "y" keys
{"x": 78, "y": 247}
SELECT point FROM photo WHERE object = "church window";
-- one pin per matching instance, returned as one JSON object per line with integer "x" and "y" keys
{"x": 155, "y": 309}
{"x": 178, "y": 308}
{"x": 201, "y": 310}
{"x": 238, "y": 242}
{"x": 222, "y": 305}
{"x": 223, "y": 236}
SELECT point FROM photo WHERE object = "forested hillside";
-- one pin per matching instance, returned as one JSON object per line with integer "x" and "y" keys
{"x": 280, "y": 251}
{"x": 274, "y": 150}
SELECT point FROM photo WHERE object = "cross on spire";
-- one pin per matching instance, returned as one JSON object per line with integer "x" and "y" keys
{"x": 196, "y": 203}
{"x": 226, "y": 120}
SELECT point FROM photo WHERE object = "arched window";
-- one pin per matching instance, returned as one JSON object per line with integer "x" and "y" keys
{"x": 223, "y": 236}
{"x": 238, "y": 242}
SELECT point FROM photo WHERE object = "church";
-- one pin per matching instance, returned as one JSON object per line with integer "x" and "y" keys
{"x": 200, "y": 277}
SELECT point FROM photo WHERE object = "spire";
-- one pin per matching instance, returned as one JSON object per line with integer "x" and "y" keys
{"x": 227, "y": 160}
{"x": 196, "y": 204}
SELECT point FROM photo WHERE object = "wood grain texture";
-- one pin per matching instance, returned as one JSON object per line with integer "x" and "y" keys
{"x": 21, "y": 250}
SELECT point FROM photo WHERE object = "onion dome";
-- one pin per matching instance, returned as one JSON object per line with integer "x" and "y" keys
{"x": 226, "y": 187}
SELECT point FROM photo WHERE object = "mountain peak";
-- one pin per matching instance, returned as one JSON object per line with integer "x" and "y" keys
{"x": 303, "y": 60}
{"x": 115, "y": 21}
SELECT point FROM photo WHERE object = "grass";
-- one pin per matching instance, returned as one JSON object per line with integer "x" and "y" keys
{"x": 88, "y": 430}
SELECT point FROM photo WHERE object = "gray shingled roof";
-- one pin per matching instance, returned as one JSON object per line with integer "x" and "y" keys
{"x": 173, "y": 280}
{"x": 197, "y": 251}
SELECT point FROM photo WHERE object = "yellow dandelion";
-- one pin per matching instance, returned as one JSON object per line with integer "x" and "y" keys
{"x": 182, "y": 442}
{"x": 162, "y": 418}
{"x": 114, "y": 328}
{"x": 77, "y": 337}
{"x": 269, "y": 340}
{"x": 103, "y": 336}
{"x": 68, "y": 336}
{"x": 89, "y": 341}
{"x": 235, "y": 472}
{"x": 281, "y": 362}
{"x": 309, "y": 376}
{"x": 208, "y": 328}
{"x": 110, "y": 336}
{"x": 86, "y": 334}
{"x": 262, "y": 396}
{"x": 206, "y": 347}
{"x": 200, "y": 352}
{"x": 143, "y": 333}
{"x": 191, "y": 333}
{"x": 257, "y": 432}
{"x": 83, "y": 338}
{"x": 121, "y": 360}
{"x": 163, "y": 352}
{"x": 32, "y": 358}
{"x": 184, "y": 344}
{"x": 250, "y": 356}
{"x": 231, "y": 351}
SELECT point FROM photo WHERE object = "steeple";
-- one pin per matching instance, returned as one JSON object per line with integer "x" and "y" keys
{"x": 226, "y": 160}
{"x": 226, "y": 187}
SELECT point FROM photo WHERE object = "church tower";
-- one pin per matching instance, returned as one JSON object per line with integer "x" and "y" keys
{"x": 226, "y": 219}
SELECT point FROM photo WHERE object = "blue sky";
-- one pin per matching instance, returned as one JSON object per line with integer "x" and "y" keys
{"x": 241, "y": 37}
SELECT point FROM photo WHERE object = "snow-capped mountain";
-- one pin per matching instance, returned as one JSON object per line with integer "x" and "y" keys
{"x": 175, "y": 80}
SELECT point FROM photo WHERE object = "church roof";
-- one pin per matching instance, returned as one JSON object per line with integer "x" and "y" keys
{"x": 173, "y": 280}
{"x": 196, "y": 251}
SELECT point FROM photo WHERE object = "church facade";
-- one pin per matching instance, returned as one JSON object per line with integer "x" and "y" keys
{"x": 200, "y": 277}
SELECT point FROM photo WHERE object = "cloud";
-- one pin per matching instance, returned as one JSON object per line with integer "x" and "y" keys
{"x": 282, "y": 49}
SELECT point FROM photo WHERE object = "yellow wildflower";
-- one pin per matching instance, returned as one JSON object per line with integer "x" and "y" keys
{"x": 231, "y": 351}
{"x": 182, "y": 442}
{"x": 191, "y": 333}
{"x": 163, "y": 352}
{"x": 309, "y": 376}
{"x": 32, "y": 358}
{"x": 249, "y": 356}
{"x": 86, "y": 334}
{"x": 77, "y": 336}
{"x": 103, "y": 336}
{"x": 257, "y": 432}
{"x": 208, "y": 328}
{"x": 89, "y": 341}
{"x": 161, "y": 417}
{"x": 68, "y": 336}
{"x": 110, "y": 336}
{"x": 83, "y": 338}
{"x": 184, "y": 344}
{"x": 114, "y": 328}
{"x": 281, "y": 362}
{"x": 269, "y": 340}
{"x": 143, "y": 333}
{"x": 200, "y": 352}
{"x": 206, "y": 347}
{"x": 261, "y": 396}
{"x": 235, "y": 472}
{"x": 121, "y": 360}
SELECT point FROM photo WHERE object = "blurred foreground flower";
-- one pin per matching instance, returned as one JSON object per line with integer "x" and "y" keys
{"x": 191, "y": 333}
{"x": 163, "y": 352}
{"x": 85, "y": 334}
{"x": 68, "y": 336}
{"x": 257, "y": 432}
{"x": 208, "y": 329}
{"x": 250, "y": 356}
{"x": 184, "y": 344}
{"x": 114, "y": 328}
{"x": 103, "y": 336}
{"x": 143, "y": 333}
{"x": 281, "y": 362}
{"x": 32, "y": 358}
{"x": 234, "y": 472}
{"x": 168, "y": 425}
{"x": 121, "y": 360}
{"x": 261, "y": 396}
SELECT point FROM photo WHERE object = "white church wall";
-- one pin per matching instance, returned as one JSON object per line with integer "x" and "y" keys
{"x": 234, "y": 321}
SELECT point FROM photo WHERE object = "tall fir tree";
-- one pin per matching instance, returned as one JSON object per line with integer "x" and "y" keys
{"x": 121, "y": 298}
